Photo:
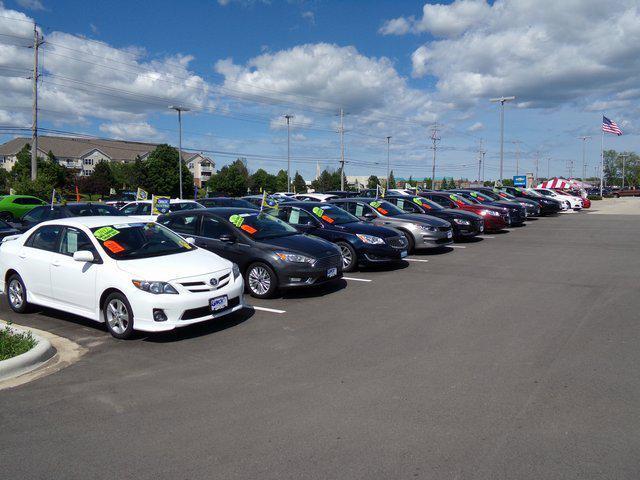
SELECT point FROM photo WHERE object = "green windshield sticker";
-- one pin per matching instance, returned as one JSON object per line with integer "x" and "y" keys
{"x": 474, "y": 194}
{"x": 237, "y": 220}
{"x": 417, "y": 200}
{"x": 375, "y": 204}
{"x": 453, "y": 197}
{"x": 318, "y": 211}
{"x": 105, "y": 233}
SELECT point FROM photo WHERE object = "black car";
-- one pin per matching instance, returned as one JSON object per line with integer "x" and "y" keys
{"x": 270, "y": 253}
{"x": 256, "y": 200}
{"x": 532, "y": 207}
{"x": 465, "y": 224}
{"x": 48, "y": 212}
{"x": 6, "y": 229}
{"x": 225, "y": 202}
{"x": 360, "y": 242}
{"x": 517, "y": 213}
{"x": 342, "y": 193}
{"x": 548, "y": 206}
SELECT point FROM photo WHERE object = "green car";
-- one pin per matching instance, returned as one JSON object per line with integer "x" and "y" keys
{"x": 12, "y": 207}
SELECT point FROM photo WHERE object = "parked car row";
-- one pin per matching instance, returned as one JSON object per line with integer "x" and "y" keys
{"x": 134, "y": 270}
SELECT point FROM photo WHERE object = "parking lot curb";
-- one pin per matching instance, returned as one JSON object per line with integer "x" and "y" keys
{"x": 29, "y": 360}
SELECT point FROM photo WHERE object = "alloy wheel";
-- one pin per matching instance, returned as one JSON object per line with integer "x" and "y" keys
{"x": 346, "y": 256}
{"x": 117, "y": 316}
{"x": 259, "y": 280}
{"x": 16, "y": 293}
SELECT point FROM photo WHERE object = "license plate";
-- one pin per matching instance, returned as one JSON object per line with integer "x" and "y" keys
{"x": 449, "y": 234}
{"x": 481, "y": 228}
{"x": 218, "y": 303}
{"x": 332, "y": 272}
{"x": 403, "y": 254}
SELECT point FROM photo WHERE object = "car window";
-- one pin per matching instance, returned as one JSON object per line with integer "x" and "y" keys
{"x": 176, "y": 207}
{"x": 213, "y": 228}
{"x": 45, "y": 238}
{"x": 185, "y": 224}
{"x": 406, "y": 205}
{"x": 27, "y": 201}
{"x": 333, "y": 215}
{"x": 130, "y": 209}
{"x": 297, "y": 216}
{"x": 441, "y": 201}
{"x": 144, "y": 209}
{"x": 74, "y": 240}
{"x": 34, "y": 215}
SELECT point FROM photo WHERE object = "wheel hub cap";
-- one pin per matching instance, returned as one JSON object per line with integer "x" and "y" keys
{"x": 16, "y": 294}
{"x": 117, "y": 316}
{"x": 259, "y": 280}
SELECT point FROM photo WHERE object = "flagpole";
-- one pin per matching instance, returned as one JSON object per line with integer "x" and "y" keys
{"x": 601, "y": 160}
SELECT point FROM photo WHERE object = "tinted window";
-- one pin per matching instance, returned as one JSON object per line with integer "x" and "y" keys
{"x": 34, "y": 215}
{"x": 441, "y": 201}
{"x": 406, "y": 205}
{"x": 74, "y": 240}
{"x": 212, "y": 228}
{"x": 130, "y": 209}
{"x": 45, "y": 238}
{"x": 186, "y": 224}
{"x": 333, "y": 215}
{"x": 176, "y": 207}
{"x": 92, "y": 209}
{"x": 261, "y": 225}
{"x": 297, "y": 216}
{"x": 143, "y": 209}
{"x": 27, "y": 201}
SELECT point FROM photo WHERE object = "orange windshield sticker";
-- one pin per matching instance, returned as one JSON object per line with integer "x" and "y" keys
{"x": 327, "y": 218}
{"x": 249, "y": 229}
{"x": 113, "y": 246}
{"x": 382, "y": 210}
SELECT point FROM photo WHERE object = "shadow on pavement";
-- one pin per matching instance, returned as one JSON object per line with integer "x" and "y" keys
{"x": 391, "y": 267}
{"x": 317, "y": 291}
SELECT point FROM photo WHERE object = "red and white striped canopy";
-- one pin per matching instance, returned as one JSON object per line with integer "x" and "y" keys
{"x": 555, "y": 183}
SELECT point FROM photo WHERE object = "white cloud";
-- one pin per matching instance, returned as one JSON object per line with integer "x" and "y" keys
{"x": 309, "y": 16}
{"x": 138, "y": 131}
{"x": 476, "y": 127}
{"x": 545, "y": 52}
{"x": 31, "y": 4}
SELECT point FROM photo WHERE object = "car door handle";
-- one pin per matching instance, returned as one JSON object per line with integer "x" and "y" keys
{"x": 55, "y": 264}
{"x": 22, "y": 255}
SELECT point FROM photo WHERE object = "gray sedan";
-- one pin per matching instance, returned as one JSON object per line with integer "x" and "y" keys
{"x": 421, "y": 231}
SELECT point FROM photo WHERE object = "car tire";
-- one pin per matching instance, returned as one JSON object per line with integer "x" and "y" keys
{"x": 348, "y": 252}
{"x": 16, "y": 294}
{"x": 118, "y": 316}
{"x": 411, "y": 244}
{"x": 261, "y": 280}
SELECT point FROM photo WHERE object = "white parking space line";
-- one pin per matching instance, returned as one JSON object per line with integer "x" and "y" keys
{"x": 485, "y": 236}
{"x": 456, "y": 246}
{"x": 416, "y": 260}
{"x": 357, "y": 279}
{"x": 265, "y": 309}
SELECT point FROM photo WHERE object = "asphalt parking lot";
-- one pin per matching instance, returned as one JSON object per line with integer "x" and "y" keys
{"x": 512, "y": 357}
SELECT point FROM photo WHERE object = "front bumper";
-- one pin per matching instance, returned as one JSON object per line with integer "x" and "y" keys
{"x": 468, "y": 231}
{"x": 440, "y": 238}
{"x": 393, "y": 250}
{"x": 494, "y": 224}
{"x": 297, "y": 275}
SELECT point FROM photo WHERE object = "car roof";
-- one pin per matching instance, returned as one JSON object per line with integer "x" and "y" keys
{"x": 300, "y": 203}
{"x": 173, "y": 200}
{"x": 91, "y": 222}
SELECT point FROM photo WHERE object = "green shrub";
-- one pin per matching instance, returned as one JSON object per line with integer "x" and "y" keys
{"x": 14, "y": 344}
{"x": 594, "y": 197}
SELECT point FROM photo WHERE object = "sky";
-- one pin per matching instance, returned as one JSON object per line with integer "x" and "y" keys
{"x": 395, "y": 68}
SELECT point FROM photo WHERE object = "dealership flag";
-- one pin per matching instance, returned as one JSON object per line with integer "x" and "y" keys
{"x": 610, "y": 126}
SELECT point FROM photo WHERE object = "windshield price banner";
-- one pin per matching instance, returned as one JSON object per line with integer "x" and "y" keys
{"x": 160, "y": 205}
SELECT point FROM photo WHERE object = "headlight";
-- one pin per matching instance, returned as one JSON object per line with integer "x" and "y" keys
{"x": 427, "y": 228}
{"x": 489, "y": 212}
{"x": 294, "y": 258}
{"x": 370, "y": 239}
{"x": 236, "y": 272}
{"x": 461, "y": 221}
{"x": 154, "y": 287}
{"x": 524, "y": 204}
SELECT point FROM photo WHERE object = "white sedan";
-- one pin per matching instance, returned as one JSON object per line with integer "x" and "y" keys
{"x": 573, "y": 203}
{"x": 142, "y": 209}
{"x": 128, "y": 274}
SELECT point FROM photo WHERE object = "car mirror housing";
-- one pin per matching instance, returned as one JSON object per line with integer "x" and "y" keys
{"x": 227, "y": 238}
{"x": 83, "y": 256}
{"x": 369, "y": 216}
{"x": 190, "y": 240}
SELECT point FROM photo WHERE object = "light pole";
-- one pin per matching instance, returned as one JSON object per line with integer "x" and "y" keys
{"x": 502, "y": 101}
{"x": 179, "y": 109}
{"x": 288, "y": 117}
{"x": 388, "y": 162}
{"x": 584, "y": 139}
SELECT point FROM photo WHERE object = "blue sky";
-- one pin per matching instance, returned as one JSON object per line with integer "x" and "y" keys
{"x": 396, "y": 67}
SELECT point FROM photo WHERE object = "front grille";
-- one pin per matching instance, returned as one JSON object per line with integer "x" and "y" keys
{"x": 330, "y": 261}
{"x": 198, "y": 286}
{"x": 206, "y": 311}
{"x": 443, "y": 240}
{"x": 444, "y": 229}
{"x": 397, "y": 242}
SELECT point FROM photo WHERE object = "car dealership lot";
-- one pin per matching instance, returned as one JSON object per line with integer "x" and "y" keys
{"x": 515, "y": 357}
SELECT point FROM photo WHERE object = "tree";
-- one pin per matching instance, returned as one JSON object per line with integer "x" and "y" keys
{"x": 299, "y": 185}
{"x": 161, "y": 175}
{"x": 373, "y": 182}
{"x": 392, "y": 180}
{"x": 323, "y": 183}
{"x": 428, "y": 184}
{"x": 282, "y": 179}
{"x": 261, "y": 180}
{"x": 232, "y": 179}
{"x": 100, "y": 181}
{"x": 50, "y": 175}
{"x": 129, "y": 175}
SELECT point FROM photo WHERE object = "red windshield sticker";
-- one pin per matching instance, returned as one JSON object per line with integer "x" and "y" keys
{"x": 113, "y": 246}
{"x": 327, "y": 218}
{"x": 249, "y": 229}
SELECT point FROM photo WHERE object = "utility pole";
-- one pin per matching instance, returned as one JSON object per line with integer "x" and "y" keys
{"x": 341, "y": 149}
{"x": 37, "y": 41}
{"x": 388, "y": 160}
{"x": 434, "y": 139}
{"x": 481, "y": 153}
{"x": 548, "y": 170}
{"x": 584, "y": 139}
{"x": 179, "y": 109}
{"x": 537, "y": 164}
{"x": 288, "y": 117}
{"x": 502, "y": 101}
{"x": 517, "y": 144}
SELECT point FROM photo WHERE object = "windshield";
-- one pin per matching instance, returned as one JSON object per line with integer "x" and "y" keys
{"x": 178, "y": 206}
{"x": 333, "y": 215}
{"x": 130, "y": 241}
{"x": 506, "y": 195}
{"x": 261, "y": 226}
{"x": 490, "y": 195}
{"x": 94, "y": 210}
{"x": 427, "y": 204}
{"x": 387, "y": 209}
{"x": 545, "y": 193}
{"x": 461, "y": 199}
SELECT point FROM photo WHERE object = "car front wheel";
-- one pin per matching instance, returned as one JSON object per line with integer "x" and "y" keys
{"x": 411, "y": 244}
{"x": 118, "y": 316}
{"x": 17, "y": 294}
{"x": 349, "y": 256}
{"x": 261, "y": 280}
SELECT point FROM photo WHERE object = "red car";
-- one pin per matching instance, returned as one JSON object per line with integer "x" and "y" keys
{"x": 494, "y": 218}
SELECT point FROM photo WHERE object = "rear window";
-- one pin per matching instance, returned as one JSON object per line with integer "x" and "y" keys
{"x": 27, "y": 201}
{"x": 179, "y": 206}
{"x": 94, "y": 210}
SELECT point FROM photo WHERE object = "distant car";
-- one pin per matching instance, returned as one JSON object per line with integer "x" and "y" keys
{"x": 465, "y": 224}
{"x": 46, "y": 212}
{"x": 225, "y": 202}
{"x": 495, "y": 218}
{"x": 342, "y": 193}
{"x": 421, "y": 232}
{"x": 360, "y": 242}
{"x": 128, "y": 274}
{"x": 314, "y": 197}
{"x": 256, "y": 200}
{"x": 121, "y": 200}
{"x": 271, "y": 253}
{"x": 142, "y": 209}
{"x": 517, "y": 213}
{"x": 532, "y": 207}
{"x": 7, "y": 230}
{"x": 12, "y": 207}
{"x": 548, "y": 206}
{"x": 627, "y": 192}
{"x": 573, "y": 203}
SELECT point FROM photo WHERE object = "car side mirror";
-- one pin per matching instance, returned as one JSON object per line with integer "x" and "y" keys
{"x": 83, "y": 256}
{"x": 227, "y": 238}
{"x": 190, "y": 240}
{"x": 369, "y": 216}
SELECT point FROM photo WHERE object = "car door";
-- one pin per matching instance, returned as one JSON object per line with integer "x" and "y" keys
{"x": 217, "y": 237}
{"x": 35, "y": 257}
{"x": 74, "y": 283}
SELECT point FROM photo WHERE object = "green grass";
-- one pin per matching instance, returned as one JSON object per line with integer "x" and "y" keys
{"x": 13, "y": 344}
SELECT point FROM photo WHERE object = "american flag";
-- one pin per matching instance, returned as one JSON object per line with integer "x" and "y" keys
{"x": 610, "y": 126}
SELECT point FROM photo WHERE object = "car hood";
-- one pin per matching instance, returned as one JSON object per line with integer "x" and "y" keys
{"x": 423, "y": 219}
{"x": 305, "y": 244}
{"x": 366, "y": 229}
{"x": 458, "y": 213}
{"x": 171, "y": 267}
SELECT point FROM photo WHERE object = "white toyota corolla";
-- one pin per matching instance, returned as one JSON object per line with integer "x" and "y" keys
{"x": 573, "y": 203}
{"x": 130, "y": 274}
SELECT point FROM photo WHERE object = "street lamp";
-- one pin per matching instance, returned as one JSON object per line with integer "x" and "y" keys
{"x": 388, "y": 163}
{"x": 288, "y": 117}
{"x": 179, "y": 109}
{"x": 502, "y": 101}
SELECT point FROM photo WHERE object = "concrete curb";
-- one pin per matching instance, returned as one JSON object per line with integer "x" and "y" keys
{"x": 27, "y": 361}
